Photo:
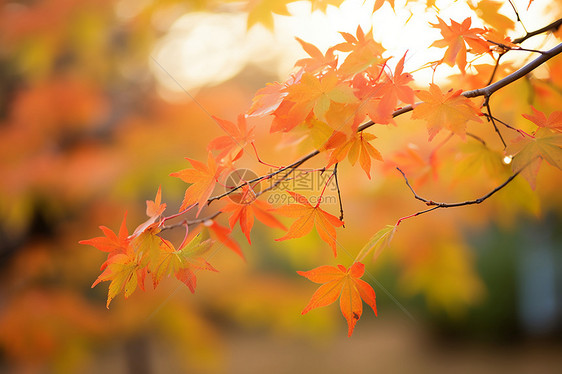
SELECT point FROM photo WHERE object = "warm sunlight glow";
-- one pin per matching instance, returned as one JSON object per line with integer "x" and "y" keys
{"x": 205, "y": 49}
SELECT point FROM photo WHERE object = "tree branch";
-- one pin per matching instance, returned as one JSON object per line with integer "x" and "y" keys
{"x": 551, "y": 27}
{"x": 484, "y": 91}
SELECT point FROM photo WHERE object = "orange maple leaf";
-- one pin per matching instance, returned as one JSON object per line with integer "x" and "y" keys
{"x": 154, "y": 210}
{"x": 358, "y": 147}
{"x": 318, "y": 61}
{"x": 111, "y": 243}
{"x": 528, "y": 153}
{"x": 202, "y": 179}
{"x": 345, "y": 284}
{"x": 364, "y": 51}
{"x": 221, "y": 233}
{"x": 393, "y": 90}
{"x": 307, "y": 217}
{"x": 450, "y": 110}
{"x": 455, "y": 38}
{"x": 311, "y": 95}
{"x": 236, "y": 138}
{"x": 122, "y": 267}
{"x": 554, "y": 120}
{"x": 249, "y": 207}
{"x": 267, "y": 99}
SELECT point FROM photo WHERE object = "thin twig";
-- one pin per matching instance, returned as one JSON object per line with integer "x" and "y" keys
{"x": 491, "y": 119}
{"x": 476, "y": 137}
{"x": 517, "y": 14}
{"x": 416, "y": 214}
{"x": 463, "y": 203}
{"x": 339, "y": 193}
{"x": 507, "y": 48}
{"x": 551, "y": 27}
{"x": 495, "y": 69}
{"x": 521, "y": 132}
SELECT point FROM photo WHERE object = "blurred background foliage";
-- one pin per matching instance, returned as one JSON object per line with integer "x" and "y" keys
{"x": 92, "y": 121}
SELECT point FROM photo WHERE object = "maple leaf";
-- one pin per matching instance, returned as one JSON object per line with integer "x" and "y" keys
{"x": 309, "y": 216}
{"x": 369, "y": 92}
{"x": 202, "y": 179}
{"x": 267, "y": 99}
{"x": 394, "y": 89}
{"x": 238, "y": 136}
{"x": 364, "y": 51}
{"x": 358, "y": 147}
{"x": 317, "y": 61}
{"x": 378, "y": 242}
{"x": 261, "y": 11}
{"x": 311, "y": 95}
{"x": 154, "y": 210}
{"x": 476, "y": 155}
{"x": 451, "y": 111}
{"x": 455, "y": 38}
{"x": 221, "y": 233}
{"x": 181, "y": 263}
{"x": 244, "y": 212}
{"x": 488, "y": 11}
{"x": 554, "y": 120}
{"x": 345, "y": 284}
{"x": 111, "y": 242}
{"x": 121, "y": 267}
{"x": 124, "y": 272}
{"x": 529, "y": 153}
{"x": 499, "y": 42}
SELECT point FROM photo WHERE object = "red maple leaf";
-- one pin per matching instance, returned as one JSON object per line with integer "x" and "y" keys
{"x": 394, "y": 89}
{"x": 246, "y": 209}
{"x": 554, "y": 120}
{"x": 221, "y": 233}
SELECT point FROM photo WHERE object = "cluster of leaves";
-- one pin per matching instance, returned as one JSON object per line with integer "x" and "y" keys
{"x": 131, "y": 257}
{"x": 333, "y": 97}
